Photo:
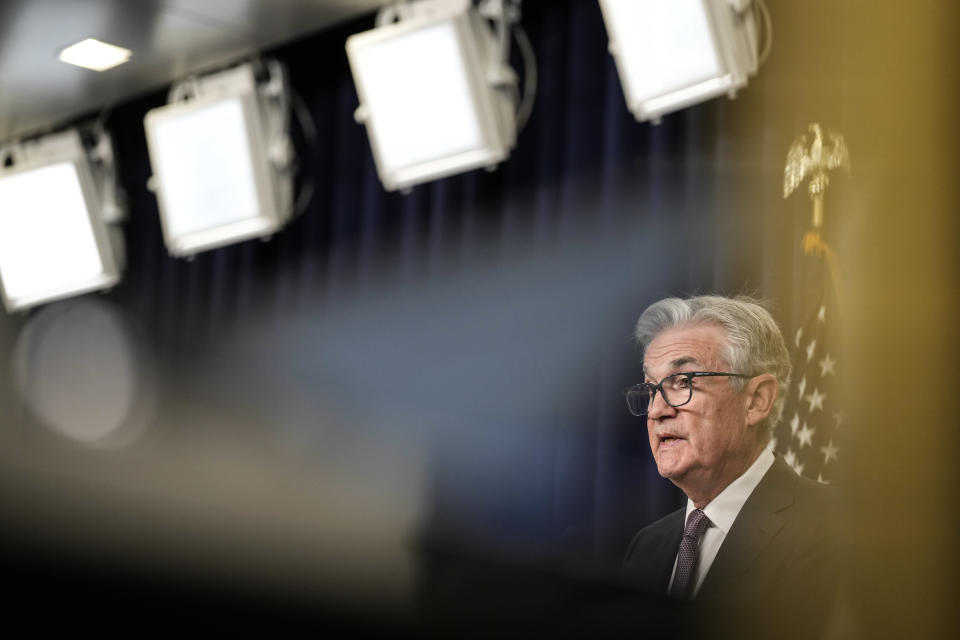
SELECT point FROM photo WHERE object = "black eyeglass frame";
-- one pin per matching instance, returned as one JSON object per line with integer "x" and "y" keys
{"x": 689, "y": 375}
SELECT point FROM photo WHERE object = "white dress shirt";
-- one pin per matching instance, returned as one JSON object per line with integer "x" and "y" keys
{"x": 722, "y": 511}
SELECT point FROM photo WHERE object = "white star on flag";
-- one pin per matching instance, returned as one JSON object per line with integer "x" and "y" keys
{"x": 791, "y": 459}
{"x": 808, "y": 435}
{"x": 816, "y": 400}
{"x": 826, "y": 366}
{"x": 829, "y": 452}
{"x": 805, "y": 436}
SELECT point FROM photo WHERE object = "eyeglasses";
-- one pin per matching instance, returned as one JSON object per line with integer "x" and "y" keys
{"x": 676, "y": 390}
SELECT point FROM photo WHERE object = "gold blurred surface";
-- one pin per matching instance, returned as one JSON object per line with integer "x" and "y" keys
{"x": 882, "y": 74}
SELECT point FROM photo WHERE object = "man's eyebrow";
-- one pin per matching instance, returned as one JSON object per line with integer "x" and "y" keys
{"x": 676, "y": 364}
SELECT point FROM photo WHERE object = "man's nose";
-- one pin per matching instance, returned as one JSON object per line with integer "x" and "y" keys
{"x": 659, "y": 408}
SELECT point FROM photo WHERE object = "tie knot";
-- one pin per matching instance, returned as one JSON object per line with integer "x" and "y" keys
{"x": 697, "y": 523}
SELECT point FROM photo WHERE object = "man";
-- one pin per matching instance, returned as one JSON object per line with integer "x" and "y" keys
{"x": 753, "y": 542}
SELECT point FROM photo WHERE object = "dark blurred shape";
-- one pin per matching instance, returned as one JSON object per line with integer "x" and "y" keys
{"x": 477, "y": 594}
{"x": 51, "y": 591}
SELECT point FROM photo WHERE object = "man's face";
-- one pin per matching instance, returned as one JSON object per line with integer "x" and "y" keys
{"x": 705, "y": 444}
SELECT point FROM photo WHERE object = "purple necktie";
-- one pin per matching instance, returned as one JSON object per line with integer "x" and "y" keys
{"x": 683, "y": 579}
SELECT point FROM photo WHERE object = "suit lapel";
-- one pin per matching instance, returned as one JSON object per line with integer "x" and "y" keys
{"x": 650, "y": 559}
{"x": 763, "y": 515}
{"x": 666, "y": 551}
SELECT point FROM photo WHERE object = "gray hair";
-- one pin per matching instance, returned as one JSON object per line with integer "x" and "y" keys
{"x": 754, "y": 344}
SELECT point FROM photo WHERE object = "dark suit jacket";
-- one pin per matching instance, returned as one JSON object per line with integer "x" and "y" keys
{"x": 776, "y": 566}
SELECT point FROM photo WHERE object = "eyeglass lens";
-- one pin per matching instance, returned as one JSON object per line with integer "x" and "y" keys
{"x": 676, "y": 390}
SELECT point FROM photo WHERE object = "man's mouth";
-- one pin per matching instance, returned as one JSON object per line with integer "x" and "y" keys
{"x": 668, "y": 440}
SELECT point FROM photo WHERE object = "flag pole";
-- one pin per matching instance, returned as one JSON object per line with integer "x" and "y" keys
{"x": 811, "y": 161}
{"x": 813, "y": 410}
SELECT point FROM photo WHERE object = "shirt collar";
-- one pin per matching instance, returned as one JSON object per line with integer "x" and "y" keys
{"x": 723, "y": 509}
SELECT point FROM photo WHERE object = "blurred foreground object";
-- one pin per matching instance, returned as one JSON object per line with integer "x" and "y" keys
{"x": 81, "y": 374}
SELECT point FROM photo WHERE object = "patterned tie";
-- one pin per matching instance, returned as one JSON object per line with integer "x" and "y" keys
{"x": 683, "y": 580}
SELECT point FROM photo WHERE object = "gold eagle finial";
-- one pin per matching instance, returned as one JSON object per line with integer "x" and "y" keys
{"x": 813, "y": 162}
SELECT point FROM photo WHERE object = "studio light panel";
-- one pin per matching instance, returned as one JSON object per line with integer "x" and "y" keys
{"x": 211, "y": 169}
{"x": 53, "y": 242}
{"x": 426, "y": 98}
{"x": 670, "y": 55}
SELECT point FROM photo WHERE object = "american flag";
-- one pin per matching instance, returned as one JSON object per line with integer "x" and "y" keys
{"x": 808, "y": 435}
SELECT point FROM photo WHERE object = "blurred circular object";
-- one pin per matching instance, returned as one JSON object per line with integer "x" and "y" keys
{"x": 77, "y": 370}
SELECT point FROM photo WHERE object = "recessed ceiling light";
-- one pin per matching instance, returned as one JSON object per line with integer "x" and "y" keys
{"x": 96, "y": 55}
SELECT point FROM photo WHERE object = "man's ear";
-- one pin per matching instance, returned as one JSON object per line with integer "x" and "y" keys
{"x": 760, "y": 394}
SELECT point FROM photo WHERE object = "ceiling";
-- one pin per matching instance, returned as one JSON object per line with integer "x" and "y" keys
{"x": 169, "y": 39}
